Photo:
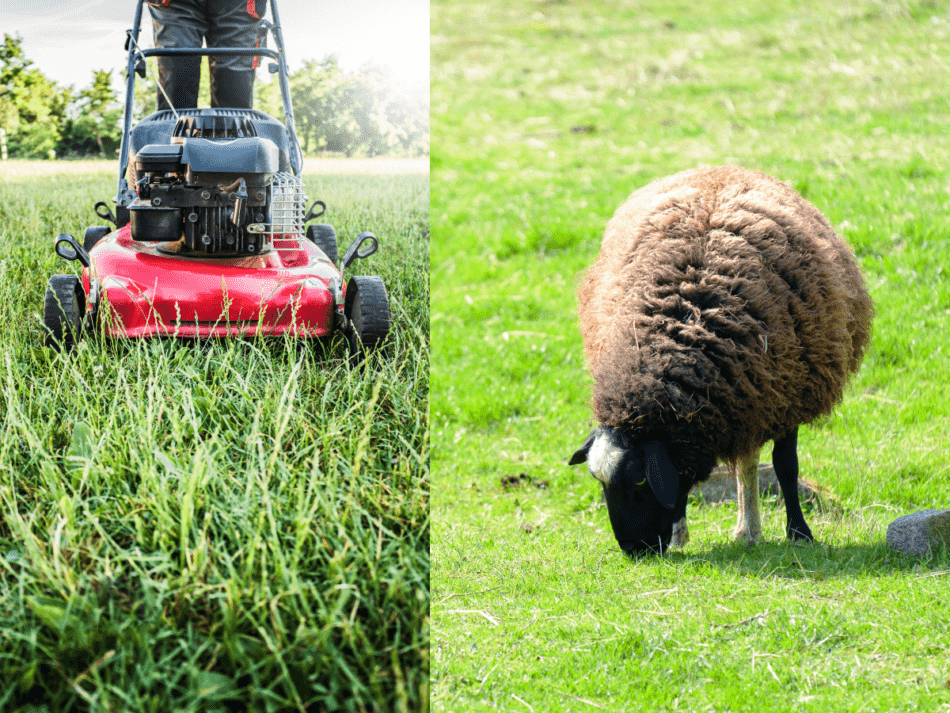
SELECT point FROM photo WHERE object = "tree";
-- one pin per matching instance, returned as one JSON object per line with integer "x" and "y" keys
{"x": 32, "y": 107}
{"x": 321, "y": 100}
{"x": 410, "y": 110}
{"x": 146, "y": 90}
{"x": 365, "y": 113}
{"x": 93, "y": 124}
{"x": 389, "y": 118}
{"x": 100, "y": 113}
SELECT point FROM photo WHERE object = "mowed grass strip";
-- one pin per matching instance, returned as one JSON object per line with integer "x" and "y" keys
{"x": 546, "y": 117}
{"x": 210, "y": 525}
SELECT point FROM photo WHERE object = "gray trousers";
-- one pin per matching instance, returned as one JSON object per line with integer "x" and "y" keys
{"x": 222, "y": 23}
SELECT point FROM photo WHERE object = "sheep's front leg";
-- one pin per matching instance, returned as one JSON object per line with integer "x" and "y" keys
{"x": 785, "y": 461}
{"x": 680, "y": 529}
{"x": 749, "y": 527}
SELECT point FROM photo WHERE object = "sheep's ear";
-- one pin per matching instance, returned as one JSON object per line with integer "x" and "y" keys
{"x": 580, "y": 455}
{"x": 661, "y": 474}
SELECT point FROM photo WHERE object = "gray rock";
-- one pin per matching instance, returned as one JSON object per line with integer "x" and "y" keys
{"x": 721, "y": 485}
{"x": 918, "y": 533}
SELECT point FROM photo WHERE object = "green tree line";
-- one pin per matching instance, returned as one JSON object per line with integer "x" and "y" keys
{"x": 361, "y": 113}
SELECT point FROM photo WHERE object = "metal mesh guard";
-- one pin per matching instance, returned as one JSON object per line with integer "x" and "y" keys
{"x": 287, "y": 207}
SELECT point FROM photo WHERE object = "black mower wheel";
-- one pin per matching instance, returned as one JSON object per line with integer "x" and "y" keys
{"x": 93, "y": 235}
{"x": 367, "y": 309}
{"x": 63, "y": 311}
{"x": 324, "y": 237}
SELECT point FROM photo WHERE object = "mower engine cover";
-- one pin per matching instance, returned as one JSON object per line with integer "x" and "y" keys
{"x": 254, "y": 157}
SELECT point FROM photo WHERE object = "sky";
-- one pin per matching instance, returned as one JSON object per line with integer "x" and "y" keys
{"x": 68, "y": 39}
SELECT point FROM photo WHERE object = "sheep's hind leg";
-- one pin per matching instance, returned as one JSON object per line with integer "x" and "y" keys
{"x": 785, "y": 461}
{"x": 749, "y": 527}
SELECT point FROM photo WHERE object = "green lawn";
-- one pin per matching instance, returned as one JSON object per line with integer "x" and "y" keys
{"x": 546, "y": 116}
{"x": 203, "y": 526}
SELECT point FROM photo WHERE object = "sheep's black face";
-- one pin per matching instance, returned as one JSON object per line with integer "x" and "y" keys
{"x": 640, "y": 523}
{"x": 640, "y": 484}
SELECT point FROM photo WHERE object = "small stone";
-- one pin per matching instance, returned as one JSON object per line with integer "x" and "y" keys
{"x": 721, "y": 485}
{"x": 918, "y": 533}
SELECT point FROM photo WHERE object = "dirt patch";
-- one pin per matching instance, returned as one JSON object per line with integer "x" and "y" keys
{"x": 516, "y": 481}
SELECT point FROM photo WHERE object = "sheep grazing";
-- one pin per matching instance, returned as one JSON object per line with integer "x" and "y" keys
{"x": 722, "y": 313}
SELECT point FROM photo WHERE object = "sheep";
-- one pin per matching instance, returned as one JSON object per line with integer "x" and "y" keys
{"x": 723, "y": 312}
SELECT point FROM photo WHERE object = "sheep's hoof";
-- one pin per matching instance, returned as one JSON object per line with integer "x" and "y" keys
{"x": 742, "y": 534}
{"x": 800, "y": 533}
{"x": 680, "y": 533}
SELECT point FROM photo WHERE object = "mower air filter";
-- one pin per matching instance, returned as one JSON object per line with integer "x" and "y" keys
{"x": 156, "y": 158}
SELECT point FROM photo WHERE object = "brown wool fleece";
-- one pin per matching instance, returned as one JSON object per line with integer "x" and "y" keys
{"x": 722, "y": 312}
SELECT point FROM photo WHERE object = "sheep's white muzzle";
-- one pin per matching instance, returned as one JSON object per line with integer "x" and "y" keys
{"x": 604, "y": 458}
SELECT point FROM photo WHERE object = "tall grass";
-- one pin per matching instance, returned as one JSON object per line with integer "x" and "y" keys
{"x": 210, "y": 525}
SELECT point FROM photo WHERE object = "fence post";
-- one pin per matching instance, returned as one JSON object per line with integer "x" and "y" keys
{"x": 3, "y": 144}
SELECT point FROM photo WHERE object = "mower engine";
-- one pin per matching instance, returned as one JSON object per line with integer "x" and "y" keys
{"x": 215, "y": 190}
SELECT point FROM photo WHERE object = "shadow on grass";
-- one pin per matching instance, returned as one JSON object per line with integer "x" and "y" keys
{"x": 788, "y": 560}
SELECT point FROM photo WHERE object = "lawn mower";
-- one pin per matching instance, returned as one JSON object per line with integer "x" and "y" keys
{"x": 210, "y": 235}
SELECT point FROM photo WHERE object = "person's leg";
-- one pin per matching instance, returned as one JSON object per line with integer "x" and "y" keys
{"x": 230, "y": 88}
{"x": 181, "y": 24}
{"x": 234, "y": 23}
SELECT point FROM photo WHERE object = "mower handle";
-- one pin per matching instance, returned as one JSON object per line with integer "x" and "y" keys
{"x": 209, "y": 51}
{"x": 357, "y": 251}
{"x": 102, "y": 210}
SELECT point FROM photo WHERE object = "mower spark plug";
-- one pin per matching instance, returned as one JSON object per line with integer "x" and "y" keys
{"x": 142, "y": 188}
{"x": 240, "y": 198}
